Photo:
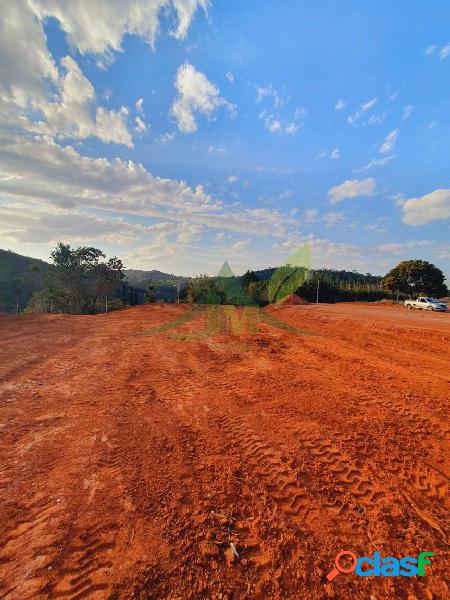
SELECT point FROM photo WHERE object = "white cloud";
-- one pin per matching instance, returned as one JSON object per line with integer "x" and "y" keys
{"x": 278, "y": 99}
{"x": 352, "y": 188}
{"x": 333, "y": 218}
{"x": 335, "y": 154}
{"x": 195, "y": 94}
{"x": 430, "y": 49}
{"x": 166, "y": 137}
{"x": 139, "y": 105}
{"x": 361, "y": 110}
{"x": 70, "y": 114}
{"x": 27, "y": 67}
{"x": 376, "y": 119}
{"x": 140, "y": 126}
{"x": 38, "y": 169}
{"x": 300, "y": 112}
{"x": 99, "y": 27}
{"x": 217, "y": 150}
{"x": 44, "y": 223}
{"x": 272, "y": 118}
{"x": 240, "y": 245}
{"x": 232, "y": 179}
{"x": 340, "y": 104}
{"x": 230, "y": 76}
{"x": 273, "y": 125}
{"x": 391, "y": 248}
{"x": 389, "y": 142}
{"x": 407, "y": 112}
{"x": 37, "y": 96}
{"x": 434, "y": 206}
{"x": 291, "y": 128}
{"x": 310, "y": 215}
{"x": 444, "y": 52}
{"x": 276, "y": 125}
{"x": 330, "y": 219}
{"x": 376, "y": 162}
{"x": 375, "y": 228}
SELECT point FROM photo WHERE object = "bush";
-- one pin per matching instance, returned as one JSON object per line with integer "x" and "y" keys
{"x": 115, "y": 304}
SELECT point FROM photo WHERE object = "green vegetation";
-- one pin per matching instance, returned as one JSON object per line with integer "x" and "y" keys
{"x": 251, "y": 288}
{"x": 150, "y": 293}
{"x": 79, "y": 282}
{"x": 20, "y": 277}
{"x": 415, "y": 278}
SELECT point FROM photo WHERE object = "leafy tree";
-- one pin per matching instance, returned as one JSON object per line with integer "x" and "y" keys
{"x": 150, "y": 293}
{"x": 247, "y": 278}
{"x": 415, "y": 277}
{"x": 80, "y": 279}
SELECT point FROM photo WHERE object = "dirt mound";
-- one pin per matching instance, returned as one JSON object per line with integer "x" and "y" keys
{"x": 292, "y": 300}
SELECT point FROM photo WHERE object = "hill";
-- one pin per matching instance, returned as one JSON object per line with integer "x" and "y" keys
{"x": 137, "y": 276}
{"x": 20, "y": 276}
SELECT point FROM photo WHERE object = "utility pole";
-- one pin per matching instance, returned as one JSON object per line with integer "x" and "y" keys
{"x": 17, "y": 305}
{"x": 178, "y": 290}
{"x": 317, "y": 291}
{"x": 106, "y": 304}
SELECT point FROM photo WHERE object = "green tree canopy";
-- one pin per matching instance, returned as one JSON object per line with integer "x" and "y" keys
{"x": 415, "y": 277}
{"x": 80, "y": 280}
{"x": 150, "y": 293}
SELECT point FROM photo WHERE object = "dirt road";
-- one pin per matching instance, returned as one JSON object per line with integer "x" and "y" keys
{"x": 130, "y": 463}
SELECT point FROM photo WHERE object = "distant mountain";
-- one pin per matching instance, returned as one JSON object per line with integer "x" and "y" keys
{"x": 138, "y": 276}
{"x": 20, "y": 276}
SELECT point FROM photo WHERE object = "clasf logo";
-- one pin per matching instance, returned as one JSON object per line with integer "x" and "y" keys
{"x": 386, "y": 566}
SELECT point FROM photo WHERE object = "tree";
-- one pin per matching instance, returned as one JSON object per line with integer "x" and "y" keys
{"x": 150, "y": 293}
{"x": 415, "y": 277}
{"x": 80, "y": 279}
{"x": 248, "y": 278}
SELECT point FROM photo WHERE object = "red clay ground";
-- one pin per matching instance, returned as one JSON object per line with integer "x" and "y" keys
{"x": 129, "y": 463}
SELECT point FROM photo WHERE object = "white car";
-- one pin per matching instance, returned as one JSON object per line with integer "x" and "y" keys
{"x": 426, "y": 303}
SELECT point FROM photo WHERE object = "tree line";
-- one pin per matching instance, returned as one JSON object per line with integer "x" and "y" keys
{"x": 83, "y": 281}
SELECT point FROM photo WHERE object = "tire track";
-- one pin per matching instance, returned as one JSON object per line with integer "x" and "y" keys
{"x": 28, "y": 547}
{"x": 270, "y": 468}
{"x": 86, "y": 567}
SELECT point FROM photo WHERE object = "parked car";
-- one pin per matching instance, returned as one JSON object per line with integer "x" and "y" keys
{"x": 426, "y": 303}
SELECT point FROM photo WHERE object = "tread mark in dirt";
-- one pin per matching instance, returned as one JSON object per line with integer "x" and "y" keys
{"x": 266, "y": 463}
{"x": 21, "y": 537}
{"x": 416, "y": 421}
{"x": 41, "y": 512}
{"x": 87, "y": 565}
{"x": 429, "y": 484}
{"x": 346, "y": 472}
{"x": 431, "y": 487}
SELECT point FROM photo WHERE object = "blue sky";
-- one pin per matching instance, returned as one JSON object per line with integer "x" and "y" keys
{"x": 177, "y": 134}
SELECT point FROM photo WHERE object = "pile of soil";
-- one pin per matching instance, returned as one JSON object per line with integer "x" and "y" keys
{"x": 292, "y": 300}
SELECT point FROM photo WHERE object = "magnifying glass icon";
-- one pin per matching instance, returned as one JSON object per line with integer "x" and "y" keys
{"x": 339, "y": 568}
